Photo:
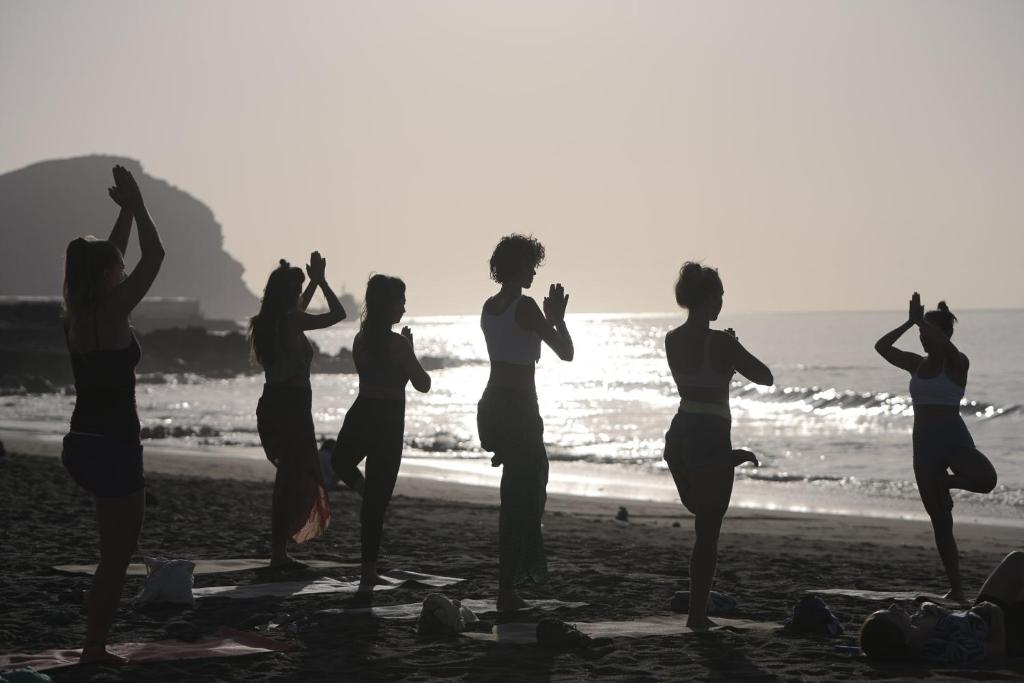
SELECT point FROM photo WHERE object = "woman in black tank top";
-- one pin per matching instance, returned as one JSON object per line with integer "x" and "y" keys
{"x": 102, "y": 452}
{"x": 374, "y": 426}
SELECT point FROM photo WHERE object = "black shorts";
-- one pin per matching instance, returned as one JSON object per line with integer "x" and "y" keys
{"x": 105, "y": 467}
{"x": 1013, "y": 617}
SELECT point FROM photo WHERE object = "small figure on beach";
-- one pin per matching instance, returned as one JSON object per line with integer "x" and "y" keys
{"x": 992, "y": 629}
{"x": 508, "y": 418}
{"x": 374, "y": 427}
{"x": 103, "y": 449}
{"x": 941, "y": 440}
{"x": 300, "y": 509}
{"x": 698, "y": 445}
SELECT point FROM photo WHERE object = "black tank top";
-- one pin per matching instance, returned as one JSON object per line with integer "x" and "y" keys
{"x": 105, "y": 391}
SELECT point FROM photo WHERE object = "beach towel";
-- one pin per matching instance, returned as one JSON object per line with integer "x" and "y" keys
{"x": 518, "y": 633}
{"x": 412, "y": 610}
{"x": 210, "y": 566}
{"x": 719, "y": 604}
{"x": 227, "y": 643}
{"x": 888, "y": 596}
{"x": 395, "y": 578}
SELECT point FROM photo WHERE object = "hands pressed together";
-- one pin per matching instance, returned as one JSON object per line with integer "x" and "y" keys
{"x": 555, "y": 303}
{"x": 125, "y": 191}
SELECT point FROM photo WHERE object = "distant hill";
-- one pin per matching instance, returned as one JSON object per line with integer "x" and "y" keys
{"x": 46, "y": 205}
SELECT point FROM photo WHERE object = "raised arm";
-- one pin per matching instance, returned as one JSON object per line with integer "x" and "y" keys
{"x": 316, "y": 270}
{"x": 905, "y": 360}
{"x": 549, "y": 325}
{"x": 122, "y": 229}
{"x": 410, "y": 364}
{"x": 125, "y": 296}
{"x": 747, "y": 364}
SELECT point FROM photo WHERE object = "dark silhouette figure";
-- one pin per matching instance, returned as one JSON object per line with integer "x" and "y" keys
{"x": 992, "y": 629}
{"x": 941, "y": 439}
{"x": 103, "y": 449}
{"x": 698, "y": 445}
{"x": 508, "y": 419}
{"x": 374, "y": 426}
{"x": 301, "y": 510}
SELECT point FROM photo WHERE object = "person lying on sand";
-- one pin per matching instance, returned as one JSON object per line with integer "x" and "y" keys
{"x": 992, "y": 629}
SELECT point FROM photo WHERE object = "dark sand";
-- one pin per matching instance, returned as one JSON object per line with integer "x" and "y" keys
{"x": 625, "y": 570}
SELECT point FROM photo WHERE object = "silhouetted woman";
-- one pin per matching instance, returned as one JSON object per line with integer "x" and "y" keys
{"x": 508, "y": 419}
{"x": 103, "y": 450}
{"x": 941, "y": 439}
{"x": 301, "y": 510}
{"x": 698, "y": 445}
{"x": 374, "y": 426}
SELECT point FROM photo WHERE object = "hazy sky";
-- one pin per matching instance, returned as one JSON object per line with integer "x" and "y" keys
{"x": 823, "y": 154}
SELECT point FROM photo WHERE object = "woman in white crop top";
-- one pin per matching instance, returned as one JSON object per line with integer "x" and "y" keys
{"x": 941, "y": 440}
{"x": 698, "y": 445}
{"x": 284, "y": 420}
{"x": 508, "y": 420}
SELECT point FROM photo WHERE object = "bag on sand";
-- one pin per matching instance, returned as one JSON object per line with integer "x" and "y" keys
{"x": 812, "y": 615}
{"x": 167, "y": 581}
{"x": 557, "y": 634}
{"x": 443, "y": 616}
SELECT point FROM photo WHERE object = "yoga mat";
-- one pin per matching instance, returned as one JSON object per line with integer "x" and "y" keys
{"x": 412, "y": 610}
{"x": 518, "y": 633}
{"x": 227, "y": 643}
{"x": 209, "y": 566}
{"x": 915, "y": 596}
{"x": 285, "y": 589}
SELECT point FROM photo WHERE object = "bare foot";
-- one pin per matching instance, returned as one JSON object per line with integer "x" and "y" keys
{"x": 696, "y": 624}
{"x": 741, "y": 455}
{"x": 287, "y": 564}
{"x": 99, "y": 655}
{"x": 956, "y": 596}
{"x": 511, "y": 602}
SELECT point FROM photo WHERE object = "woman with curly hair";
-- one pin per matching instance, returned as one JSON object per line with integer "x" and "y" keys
{"x": 941, "y": 440}
{"x": 300, "y": 510}
{"x": 508, "y": 419}
{"x": 698, "y": 445}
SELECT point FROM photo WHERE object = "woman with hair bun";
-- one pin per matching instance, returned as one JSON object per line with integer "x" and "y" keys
{"x": 284, "y": 420}
{"x": 941, "y": 440}
{"x": 374, "y": 426}
{"x": 698, "y": 445}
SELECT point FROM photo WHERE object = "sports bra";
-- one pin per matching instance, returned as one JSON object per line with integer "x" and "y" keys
{"x": 705, "y": 376}
{"x": 935, "y": 391}
{"x": 507, "y": 341}
{"x": 105, "y": 390}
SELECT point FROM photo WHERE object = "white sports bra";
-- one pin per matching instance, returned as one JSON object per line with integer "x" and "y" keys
{"x": 507, "y": 341}
{"x": 935, "y": 391}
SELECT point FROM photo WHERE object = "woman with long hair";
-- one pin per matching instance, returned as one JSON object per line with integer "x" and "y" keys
{"x": 941, "y": 440}
{"x": 374, "y": 427}
{"x": 508, "y": 418}
{"x": 698, "y": 445}
{"x": 103, "y": 449}
{"x": 301, "y": 510}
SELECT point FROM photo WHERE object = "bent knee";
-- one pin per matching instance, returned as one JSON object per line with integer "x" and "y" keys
{"x": 1015, "y": 559}
{"x": 989, "y": 482}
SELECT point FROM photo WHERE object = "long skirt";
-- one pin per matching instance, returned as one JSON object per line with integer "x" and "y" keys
{"x": 510, "y": 426}
{"x": 285, "y": 423}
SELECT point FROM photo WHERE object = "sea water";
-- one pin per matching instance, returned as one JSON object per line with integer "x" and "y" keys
{"x": 833, "y": 434}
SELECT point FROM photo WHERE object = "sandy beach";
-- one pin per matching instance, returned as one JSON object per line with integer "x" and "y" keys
{"x": 218, "y": 507}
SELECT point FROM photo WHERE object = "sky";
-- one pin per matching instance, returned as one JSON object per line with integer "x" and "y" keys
{"x": 824, "y": 155}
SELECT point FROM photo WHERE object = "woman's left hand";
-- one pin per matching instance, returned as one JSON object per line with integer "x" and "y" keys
{"x": 407, "y": 334}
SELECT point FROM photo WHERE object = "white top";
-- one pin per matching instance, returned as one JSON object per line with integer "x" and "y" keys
{"x": 507, "y": 341}
{"x": 935, "y": 391}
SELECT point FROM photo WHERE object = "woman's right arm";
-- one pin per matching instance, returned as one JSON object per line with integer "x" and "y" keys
{"x": 749, "y": 365}
{"x": 126, "y": 296}
{"x": 410, "y": 364}
{"x": 549, "y": 325}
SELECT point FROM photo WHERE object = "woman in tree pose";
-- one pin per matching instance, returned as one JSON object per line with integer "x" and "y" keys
{"x": 698, "y": 445}
{"x": 300, "y": 509}
{"x": 941, "y": 439}
{"x": 508, "y": 419}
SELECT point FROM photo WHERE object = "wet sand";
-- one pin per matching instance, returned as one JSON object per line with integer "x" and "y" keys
{"x": 218, "y": 507}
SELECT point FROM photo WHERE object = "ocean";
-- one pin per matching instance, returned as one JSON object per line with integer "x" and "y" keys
{"x": 833, "y": 434}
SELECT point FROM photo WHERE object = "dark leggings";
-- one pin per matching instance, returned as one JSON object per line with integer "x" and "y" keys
{"x": 373, "y": 429}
